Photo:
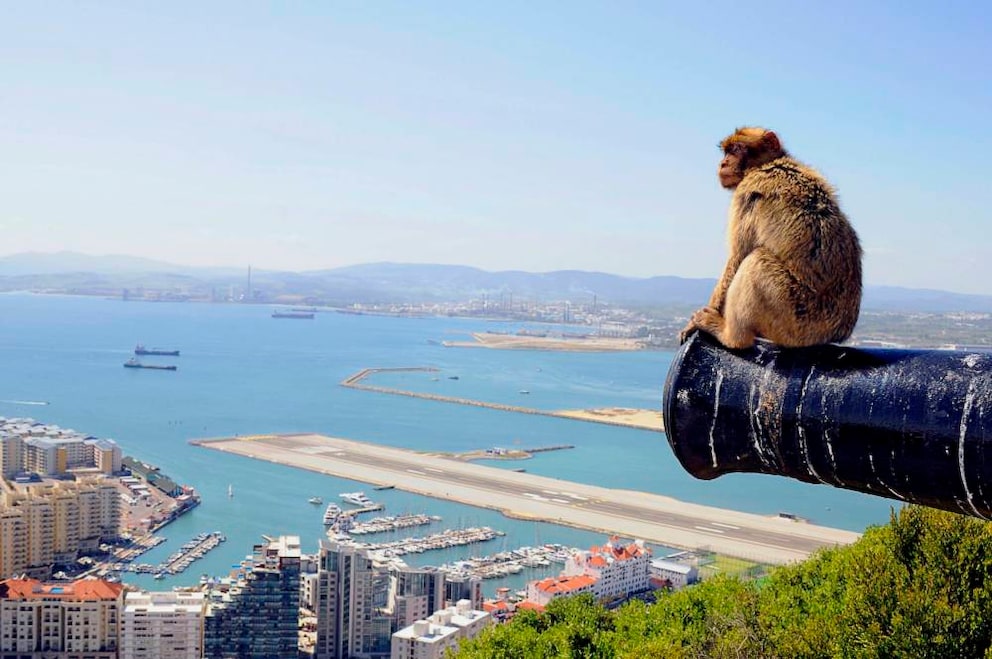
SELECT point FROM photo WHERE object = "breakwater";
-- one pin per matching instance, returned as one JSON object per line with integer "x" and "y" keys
{"x": 357, "y": 381}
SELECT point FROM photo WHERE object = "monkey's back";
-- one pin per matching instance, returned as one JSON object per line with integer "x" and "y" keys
{"x": 792, "y": 211}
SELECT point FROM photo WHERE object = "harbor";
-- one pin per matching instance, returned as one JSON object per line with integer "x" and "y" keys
{"x": 651, "y": 517}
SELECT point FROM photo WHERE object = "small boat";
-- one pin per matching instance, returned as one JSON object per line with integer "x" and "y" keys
{"x": 452, "y": 377}
{"x": 383, "y": 487}
{"x": 315, "y": 501}
{"x": 524, "y": 391}
{"x": 230, "y": 490}
{"x": 159, "y": 576}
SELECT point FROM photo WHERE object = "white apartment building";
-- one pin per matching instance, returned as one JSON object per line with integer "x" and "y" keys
{"x": 618, "y": 570}
{"x": 162, "y": 625}
{"x": 51, "y": 522}
{"x": 64, "y": 620}
{"x": 674, "y": 575}
{"x": 444, "y": 630}
{"x": 29, "y": 446}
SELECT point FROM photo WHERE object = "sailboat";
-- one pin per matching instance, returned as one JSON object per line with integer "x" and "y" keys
{"x": 230, "y": 490}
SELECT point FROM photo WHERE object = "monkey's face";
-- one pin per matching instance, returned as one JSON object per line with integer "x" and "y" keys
{"x": 731, "y": 170}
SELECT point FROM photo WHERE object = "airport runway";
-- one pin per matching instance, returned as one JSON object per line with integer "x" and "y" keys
{"x": 651, "y": 517}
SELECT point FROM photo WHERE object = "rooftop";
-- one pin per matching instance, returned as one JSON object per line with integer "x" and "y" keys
{"x": 83, "y": 590}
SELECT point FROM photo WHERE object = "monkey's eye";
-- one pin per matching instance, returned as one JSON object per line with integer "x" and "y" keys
{"x": 736, "y": 149}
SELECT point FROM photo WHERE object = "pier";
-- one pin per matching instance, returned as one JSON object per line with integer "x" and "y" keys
{"x": 443, "y": 540}
{"x": 386, "y": 524}
{"x": 651, "y": 517}
{"x": 356, "y": 381}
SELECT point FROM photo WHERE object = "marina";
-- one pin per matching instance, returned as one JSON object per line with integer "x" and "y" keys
{"x": 177, "y": 562}
{"x": 443, "y": 540}
{"x": 511, "y": 562}
{"x": 386, "y": 524}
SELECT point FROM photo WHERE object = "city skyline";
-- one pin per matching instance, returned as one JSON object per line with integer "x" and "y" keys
{"x": 504, "y": 138}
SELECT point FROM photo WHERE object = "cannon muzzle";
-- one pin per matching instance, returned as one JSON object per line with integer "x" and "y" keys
{"x": 911, "y": 425}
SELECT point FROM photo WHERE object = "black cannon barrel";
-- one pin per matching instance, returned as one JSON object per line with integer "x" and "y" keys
{"x": 912, "y": 425}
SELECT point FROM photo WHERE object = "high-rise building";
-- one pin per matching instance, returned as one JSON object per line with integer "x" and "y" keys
{"x": 433, "y": 637}
{"x": 162, "y": 625}
{"x": 49, "y": 523}
{"x": 258, "y": 616}
{"x": 362, "y": 599}
{"x": 60, "y": 621}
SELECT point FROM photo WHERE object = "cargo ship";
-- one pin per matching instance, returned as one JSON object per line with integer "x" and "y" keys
{"x": 142, "y": 350}
{"x": 134, "y": 363}
{"x": 292, "y": 314}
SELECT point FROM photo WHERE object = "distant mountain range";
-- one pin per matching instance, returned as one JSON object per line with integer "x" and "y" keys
{"x": 386, "y": 283}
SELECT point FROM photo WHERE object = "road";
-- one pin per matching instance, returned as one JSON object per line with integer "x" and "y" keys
{"x": 651, "y": 517}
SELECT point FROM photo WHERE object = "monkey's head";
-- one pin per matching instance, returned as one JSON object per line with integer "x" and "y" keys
{"x": 747, "y": 148}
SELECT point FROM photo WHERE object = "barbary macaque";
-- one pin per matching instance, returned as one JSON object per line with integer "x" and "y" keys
{"x": 793, "y": 276}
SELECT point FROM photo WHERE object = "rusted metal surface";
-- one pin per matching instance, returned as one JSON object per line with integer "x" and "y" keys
{"x": 912, "y": 425}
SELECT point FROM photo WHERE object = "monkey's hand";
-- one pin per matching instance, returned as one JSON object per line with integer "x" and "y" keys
{"x": 706, "y": 319}
{"x": 686, "y": 332}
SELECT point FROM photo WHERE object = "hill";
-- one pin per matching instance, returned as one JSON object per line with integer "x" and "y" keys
{"x": 389, "y": 283}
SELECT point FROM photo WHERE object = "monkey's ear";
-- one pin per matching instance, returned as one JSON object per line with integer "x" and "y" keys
{"x": 771, "y": 142}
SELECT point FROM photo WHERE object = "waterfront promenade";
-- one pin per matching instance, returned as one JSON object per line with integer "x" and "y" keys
{"x": 651, "y": 517}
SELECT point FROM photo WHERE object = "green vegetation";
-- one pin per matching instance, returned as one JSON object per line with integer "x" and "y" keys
{"x": 919, "y": 587}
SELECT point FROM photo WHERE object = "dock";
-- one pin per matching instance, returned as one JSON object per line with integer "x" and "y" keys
{"x": 651, "y": 517}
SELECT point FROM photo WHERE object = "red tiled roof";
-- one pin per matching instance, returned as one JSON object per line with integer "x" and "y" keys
{"x": 82, "y": 590}
{"x": 533, "y": 606}
{"x": 555, "y": 585}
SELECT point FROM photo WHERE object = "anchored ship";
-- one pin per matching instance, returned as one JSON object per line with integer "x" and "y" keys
{"x": 293, "y": 314}
{"x": 134, "y": 363}
{"x": 142, "y": 350}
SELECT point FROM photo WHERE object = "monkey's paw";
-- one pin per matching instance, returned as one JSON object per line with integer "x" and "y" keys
{"x": 708, "y": 320}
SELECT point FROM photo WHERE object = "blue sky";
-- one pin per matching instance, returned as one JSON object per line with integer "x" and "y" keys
{"x": 532, "y": 136}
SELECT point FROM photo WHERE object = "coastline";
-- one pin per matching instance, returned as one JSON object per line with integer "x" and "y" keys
{"x": 515, "y": 342}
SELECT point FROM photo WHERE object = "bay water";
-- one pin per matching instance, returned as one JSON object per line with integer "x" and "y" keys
{"x": 242, "y": 372}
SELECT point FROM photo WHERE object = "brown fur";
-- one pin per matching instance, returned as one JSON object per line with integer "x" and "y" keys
{"x": 794, "y": 272}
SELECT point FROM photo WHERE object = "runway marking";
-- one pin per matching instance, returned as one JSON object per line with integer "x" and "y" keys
{"x": 437, "y": 471}
{"x": 726, "y": 526}
{"x": 575, "y": 496}
{"x": 562, "y": 501}
{"x": 414, "y": 471}
{"x": 706, "y": 528}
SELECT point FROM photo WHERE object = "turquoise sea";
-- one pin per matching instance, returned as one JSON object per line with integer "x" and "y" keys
{"x": 242, "y": 372}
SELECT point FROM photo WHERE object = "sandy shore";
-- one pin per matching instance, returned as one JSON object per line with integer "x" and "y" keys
{"x": 652, "y": 517}
{"x": 514, "y": 342}
{"x": 621, "y": 416}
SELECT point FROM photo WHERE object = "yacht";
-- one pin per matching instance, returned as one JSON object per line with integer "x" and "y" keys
{"x": 357, "y": 499}
{"x": 315, "y": 501}
{"x": 331, "y": 514}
